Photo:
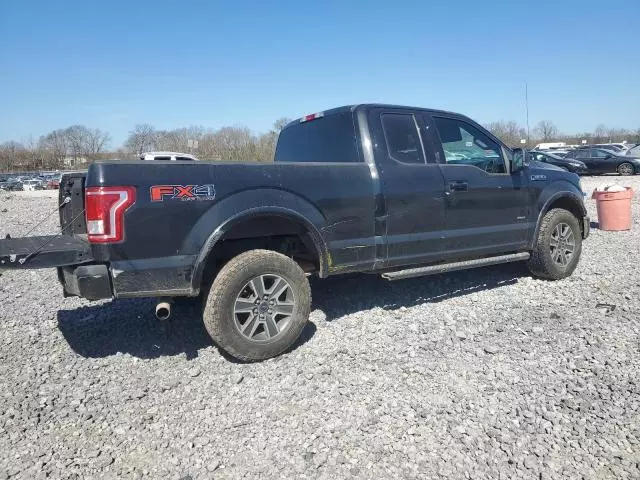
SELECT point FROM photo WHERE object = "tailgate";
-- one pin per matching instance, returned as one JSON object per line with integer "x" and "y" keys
{"x": 43, "y": 252}
{"x": 72, "y": 221}
{"x": 70, "y": 247}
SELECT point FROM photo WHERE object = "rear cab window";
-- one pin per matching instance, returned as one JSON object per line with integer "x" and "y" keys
{"x": 327, "y": 138}
{"x": 402, "y": 137}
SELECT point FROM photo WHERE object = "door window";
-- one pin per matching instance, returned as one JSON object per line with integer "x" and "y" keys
{"x": 464, "y": 144}
{"x": 597, "y": 153}
{"x": 402, "y": 137}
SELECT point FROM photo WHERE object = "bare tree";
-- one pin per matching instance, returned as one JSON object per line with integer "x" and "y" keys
{"x": 141, "y": 139}
{"x": 600, "y": 134}
{"x": 55, "y": 147}
{"x": 267, "y": 142}
{"x": 97, "y": 142}
{"x": 546, "y": 130}
{"x": 12, "y": 156}
{"x": 509, "y": 132}
{"x": 235, "y": 143}
{"x": 35, "y": 154}
{"x": 178, "y": 139}
{"x": 279, "y": 124}
{"x": 78, "y": 140}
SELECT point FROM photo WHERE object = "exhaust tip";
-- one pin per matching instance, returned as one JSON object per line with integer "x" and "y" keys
{"x": 163, "y": 310}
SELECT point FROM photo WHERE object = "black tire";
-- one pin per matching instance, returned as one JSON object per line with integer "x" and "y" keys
{"x": 541, "y": 264}
{"x": 626, "y": 169}
{"x": 222, "y": 322}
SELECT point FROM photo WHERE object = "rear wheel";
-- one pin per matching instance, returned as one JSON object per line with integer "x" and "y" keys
{"x": 626, "y": 169}
{"x": 258, "y": 305}
{"x": 557, "y": 249}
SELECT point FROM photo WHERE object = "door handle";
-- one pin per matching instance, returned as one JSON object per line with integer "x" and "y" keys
{"x": 459, "y": 186}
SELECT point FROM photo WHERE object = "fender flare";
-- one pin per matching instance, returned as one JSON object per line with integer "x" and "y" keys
{"x": 219, "y": 232}
{"x": 571, "y": 196}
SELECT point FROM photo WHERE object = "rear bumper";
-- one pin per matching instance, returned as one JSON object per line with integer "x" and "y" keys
{"x": 92, "y": 282}
{"x": 159, "y": 277}
{"x": 81, "y": 275}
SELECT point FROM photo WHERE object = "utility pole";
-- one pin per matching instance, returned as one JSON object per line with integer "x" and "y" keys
{"x": 526, "y": 106}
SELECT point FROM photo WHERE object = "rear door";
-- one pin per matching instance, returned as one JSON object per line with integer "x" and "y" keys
{"x": 584, "y": 155}
{"x": 487, "y": 208}
{"x": 412, "y": 187}
{"x": 603, "y": 160}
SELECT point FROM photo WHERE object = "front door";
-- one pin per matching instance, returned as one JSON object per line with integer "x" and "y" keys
{"x": 487, "y": 208}
{"x": 600, "y": 161}
{"x": 412, "y": 188}
{"x": 584, "y": 155}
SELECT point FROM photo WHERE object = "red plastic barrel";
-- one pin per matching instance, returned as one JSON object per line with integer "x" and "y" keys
{"x": 614, "y": 209}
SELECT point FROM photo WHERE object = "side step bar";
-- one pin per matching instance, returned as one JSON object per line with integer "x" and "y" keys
{"x": 452, "y": 267}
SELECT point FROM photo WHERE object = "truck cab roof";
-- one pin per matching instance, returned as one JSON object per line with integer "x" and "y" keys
{"x": 361, "y": 106}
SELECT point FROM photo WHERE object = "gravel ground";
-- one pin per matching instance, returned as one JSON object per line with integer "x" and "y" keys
{"x": 481, "y": 374}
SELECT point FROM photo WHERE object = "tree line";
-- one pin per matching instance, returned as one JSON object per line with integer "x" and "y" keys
{"x": 545, "y": 131}
{"x": 76, "y": 146}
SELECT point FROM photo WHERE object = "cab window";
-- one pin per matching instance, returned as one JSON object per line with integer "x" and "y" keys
{"x": 598, "y": 153}
{"x": 464, "y": 144}
{"x": 402, "y": 137}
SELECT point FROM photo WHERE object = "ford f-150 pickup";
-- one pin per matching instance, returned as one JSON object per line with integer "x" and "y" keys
{"x": 393, "y": 190}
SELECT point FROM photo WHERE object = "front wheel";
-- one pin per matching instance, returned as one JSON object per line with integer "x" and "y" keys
{"x": 626, "y": 169}
{"x": 258, "y": 305}
{"x": 557, "y": 249}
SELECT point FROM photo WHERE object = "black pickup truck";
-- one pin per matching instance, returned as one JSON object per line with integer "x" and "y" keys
{"x": 393, "y": 190}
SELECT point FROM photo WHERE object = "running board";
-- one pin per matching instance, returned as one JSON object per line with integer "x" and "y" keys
{"x": 452, "y": 267}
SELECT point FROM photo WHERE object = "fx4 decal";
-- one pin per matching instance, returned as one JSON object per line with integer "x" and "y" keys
{"x": 160, "y": 193}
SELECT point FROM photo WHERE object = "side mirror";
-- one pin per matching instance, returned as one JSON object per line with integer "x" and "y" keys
{"x": 519, "y": 160}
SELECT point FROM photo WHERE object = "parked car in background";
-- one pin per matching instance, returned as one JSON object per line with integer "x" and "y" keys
{"x": 550, "y": 145}
{"x": 613, "y": 147}
{"x": 31, "y": 185}
{"x": 11, "y": 185}
{"x": 633, "y": 151}
{"x": 557, "y": 153}
{"x": 170, "y": 156}
{"x": 54, "y": 183}
{"x": 570, "y": 164}
{"x": 600, "y": 160}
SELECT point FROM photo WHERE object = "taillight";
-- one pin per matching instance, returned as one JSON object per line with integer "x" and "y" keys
{"x": 105, "y": 207}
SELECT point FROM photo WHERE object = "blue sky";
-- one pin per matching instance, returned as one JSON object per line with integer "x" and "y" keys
{"x": 113, "y": 64}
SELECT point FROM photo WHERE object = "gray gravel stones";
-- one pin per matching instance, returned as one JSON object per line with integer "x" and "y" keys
{"x": 390, "y": 380}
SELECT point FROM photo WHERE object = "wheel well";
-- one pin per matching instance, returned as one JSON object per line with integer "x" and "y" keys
{"x": 269, "y": 232}
{"x": 569, "y": 204}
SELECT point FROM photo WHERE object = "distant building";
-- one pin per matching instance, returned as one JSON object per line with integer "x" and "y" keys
{"x": 74, "y": 161}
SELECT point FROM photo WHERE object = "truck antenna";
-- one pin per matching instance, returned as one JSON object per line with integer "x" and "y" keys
{"x": 526, "y": 106}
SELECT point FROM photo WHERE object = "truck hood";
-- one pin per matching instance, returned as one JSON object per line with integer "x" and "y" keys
{"x": 550, "y": 173}
{"x": 535, "y": 165}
